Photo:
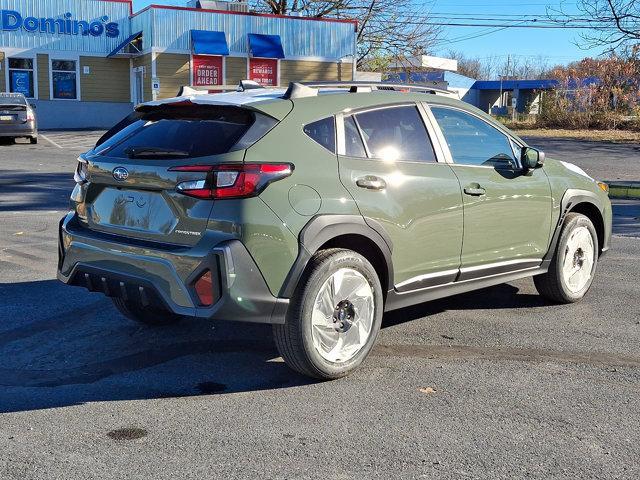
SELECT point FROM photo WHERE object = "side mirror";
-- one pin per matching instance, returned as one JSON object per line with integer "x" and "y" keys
{"x": 531, "y": 158}
{"x": 33, "y": 106}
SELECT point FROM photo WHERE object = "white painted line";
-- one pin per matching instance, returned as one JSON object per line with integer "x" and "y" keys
{"x": 50, "y": 141}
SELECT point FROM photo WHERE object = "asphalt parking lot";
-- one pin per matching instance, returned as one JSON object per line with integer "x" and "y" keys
{"x": 490, "y": 384}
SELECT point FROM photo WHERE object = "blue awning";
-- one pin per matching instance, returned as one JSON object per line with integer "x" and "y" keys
{"x": 205, "y": 42}
{"x": 265, "y": 46}
{"x": 125, "y": 44}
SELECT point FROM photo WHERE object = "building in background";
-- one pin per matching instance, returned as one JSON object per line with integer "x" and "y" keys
{"x": 86, "y": 63}
{"x": 497, "y": 97}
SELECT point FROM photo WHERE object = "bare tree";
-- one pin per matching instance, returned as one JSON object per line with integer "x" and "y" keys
{"x": 467, "y": 66}
{"x": 515, "y": 67}
{"x": 387, "y": 30}
{"x": 616, "y": 24}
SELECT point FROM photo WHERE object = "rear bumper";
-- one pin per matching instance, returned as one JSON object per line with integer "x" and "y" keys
{"x": 19, "y": 130}
{"x": 163, "y": 276}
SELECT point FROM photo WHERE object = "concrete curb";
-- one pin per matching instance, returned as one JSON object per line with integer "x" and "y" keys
{"x": 620, "y": 189}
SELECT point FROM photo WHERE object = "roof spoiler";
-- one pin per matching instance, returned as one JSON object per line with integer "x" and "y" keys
{"x": 310, "y": 89}
{"x": 244, "y": 85}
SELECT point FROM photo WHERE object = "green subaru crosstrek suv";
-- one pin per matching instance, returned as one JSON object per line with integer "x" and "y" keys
{"x": 320, "y": 207}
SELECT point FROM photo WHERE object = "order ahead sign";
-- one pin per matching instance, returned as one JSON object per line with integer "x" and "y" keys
{"x": 207, "y": 70}
{"x": 11, "y": 21}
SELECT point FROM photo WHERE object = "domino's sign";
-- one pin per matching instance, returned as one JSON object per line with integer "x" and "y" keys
{"x": 11, "y": 21}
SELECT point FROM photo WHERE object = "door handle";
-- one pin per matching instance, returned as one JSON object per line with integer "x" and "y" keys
{"x": 474, "y": 190}
{"x": 371, "y": 182}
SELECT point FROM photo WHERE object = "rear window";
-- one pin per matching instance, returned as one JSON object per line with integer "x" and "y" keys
{"x": 9, "y": 99}
{"x": 174, "y": 132}
{"x": 323, "y": 132}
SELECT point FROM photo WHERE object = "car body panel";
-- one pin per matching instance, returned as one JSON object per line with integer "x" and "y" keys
{"x": 422, "y": 224}
{"x": 511, "y": 221}
{"x": 420, "y": 209}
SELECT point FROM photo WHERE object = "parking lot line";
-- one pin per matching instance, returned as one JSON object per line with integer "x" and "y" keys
{"x": 50, "y": 141}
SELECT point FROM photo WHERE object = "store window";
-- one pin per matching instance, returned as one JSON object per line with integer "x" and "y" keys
{"x": 64, "y": 76}
{"x": 21, "y": 76}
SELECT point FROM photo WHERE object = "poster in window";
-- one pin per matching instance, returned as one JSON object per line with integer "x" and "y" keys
{"x": 22, "y": 82}
{"x": 264, "y": 71}
{"x": 64, "y": 85}
{"x": 207, "y": 70}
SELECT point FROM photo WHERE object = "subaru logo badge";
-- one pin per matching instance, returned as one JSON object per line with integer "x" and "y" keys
{"x": 120, "y": 174}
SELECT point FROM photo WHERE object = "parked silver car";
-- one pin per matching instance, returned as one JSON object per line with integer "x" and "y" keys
{"x": 17, "y": 117}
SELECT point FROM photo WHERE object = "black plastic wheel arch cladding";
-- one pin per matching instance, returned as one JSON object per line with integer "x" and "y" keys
{"x": 321, "y": 229}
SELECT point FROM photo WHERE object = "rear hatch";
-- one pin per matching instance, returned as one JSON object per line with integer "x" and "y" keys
{"x": 133, "y": 178}
{"x": 12, "y": 113}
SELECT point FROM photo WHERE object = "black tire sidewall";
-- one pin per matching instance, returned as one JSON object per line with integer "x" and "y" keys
{"x": 573, "y": 223}
{"x": 317, "y": 277}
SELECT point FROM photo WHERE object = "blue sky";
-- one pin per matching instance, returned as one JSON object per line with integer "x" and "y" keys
{"x": 555, "y": 45}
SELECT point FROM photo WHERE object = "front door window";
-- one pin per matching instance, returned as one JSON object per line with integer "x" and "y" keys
{"x": 473, "y": 141}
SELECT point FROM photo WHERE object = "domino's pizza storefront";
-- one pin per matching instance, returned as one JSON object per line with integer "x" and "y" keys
{"x": 86, "y": 63}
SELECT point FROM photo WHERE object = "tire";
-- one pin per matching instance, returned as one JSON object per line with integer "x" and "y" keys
{"x": 148, "y": 316}
{"x": 577, "y": 252}
{"x": 304, "y": 345}
{"x": 33, "y": 140}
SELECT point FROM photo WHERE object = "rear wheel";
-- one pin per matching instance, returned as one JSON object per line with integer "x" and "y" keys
{"x": 33, "y": 140}
{"x": 574, "y": 262}
{"x": 147, "y": 315}
{"x": 334, "y": 317}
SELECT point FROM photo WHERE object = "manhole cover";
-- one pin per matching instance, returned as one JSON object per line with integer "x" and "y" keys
{"x": 129, "y": 433}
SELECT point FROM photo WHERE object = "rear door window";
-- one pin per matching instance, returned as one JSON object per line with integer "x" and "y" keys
{"x": 323, "y": 132}
{"x": 177, "y": 132}
{"x": 396, "y": 133}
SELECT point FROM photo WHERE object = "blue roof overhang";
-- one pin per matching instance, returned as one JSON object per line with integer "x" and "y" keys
{"x": 205, "y": 42}
{"x": 265, "y": 46}
{"x": 125, "y": 44}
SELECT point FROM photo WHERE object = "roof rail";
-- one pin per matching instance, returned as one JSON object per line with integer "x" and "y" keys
{"x": 306, "y": 89}
{"x": 244, "y": 85}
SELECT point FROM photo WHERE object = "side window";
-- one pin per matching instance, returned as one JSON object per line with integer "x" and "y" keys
{"x": 323, "y": 132}
{"x": 353, "y": 146}
{"x": 473, "y": 141}
{"x": 396, "y": 133}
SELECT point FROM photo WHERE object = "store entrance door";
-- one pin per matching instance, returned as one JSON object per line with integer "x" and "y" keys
{"x": 138, "y": 85}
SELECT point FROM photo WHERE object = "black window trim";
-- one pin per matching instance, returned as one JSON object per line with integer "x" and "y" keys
{"x": 341, "y": 132}
{"x": 340, "y": 147}
{"x": 473, "y": 114}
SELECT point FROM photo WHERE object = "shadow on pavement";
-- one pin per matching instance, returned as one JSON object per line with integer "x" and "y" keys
{"x": 497, "y": 297}
{"x": 72, "y": 347}
{"x": 57, "y": 355}
{"x": 23, "y": 190}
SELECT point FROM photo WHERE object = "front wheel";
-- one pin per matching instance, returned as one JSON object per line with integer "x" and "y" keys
{"x": 574, "y": 262}
{"x": 334, "y": 317}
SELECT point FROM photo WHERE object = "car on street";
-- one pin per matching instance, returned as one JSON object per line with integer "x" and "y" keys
{"x": 17, "y": 118}
{"x": 319, "y": 207}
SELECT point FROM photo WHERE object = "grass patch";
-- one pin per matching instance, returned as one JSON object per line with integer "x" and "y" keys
{"x": 613, "y": 136}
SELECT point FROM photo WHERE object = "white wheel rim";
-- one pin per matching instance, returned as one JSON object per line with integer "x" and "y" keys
{"x": 579, "y": 258}
{"x": 342, "y": 316}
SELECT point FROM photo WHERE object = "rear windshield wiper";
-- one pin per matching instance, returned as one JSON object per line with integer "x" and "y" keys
{"x": 142, "y": 152}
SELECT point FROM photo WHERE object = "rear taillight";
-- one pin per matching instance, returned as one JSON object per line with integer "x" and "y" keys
{"x": 30, "y": 116}
{"x": 231, "y": 180}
